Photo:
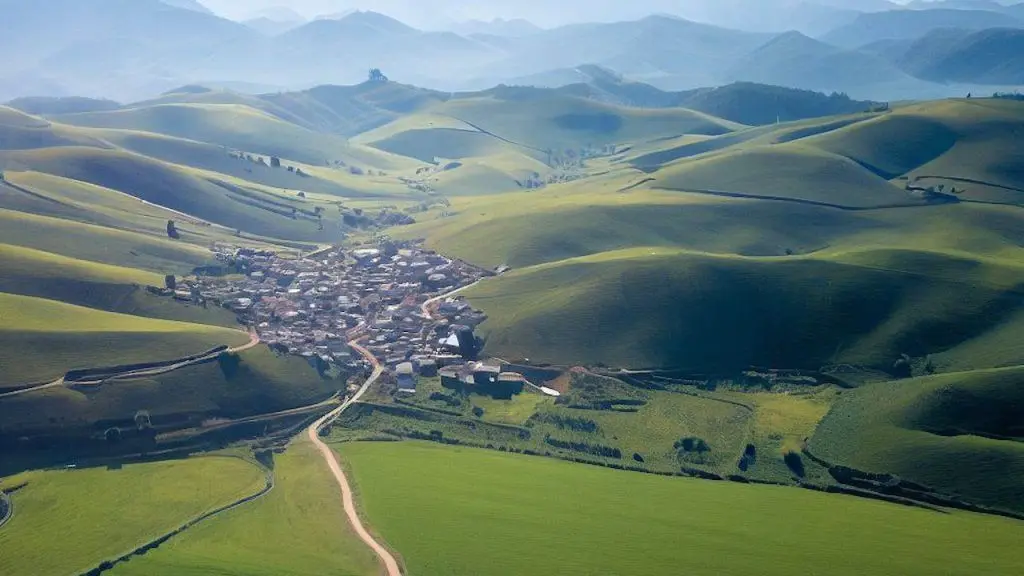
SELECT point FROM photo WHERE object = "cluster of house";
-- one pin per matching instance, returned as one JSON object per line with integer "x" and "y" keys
{"x": 313, "y": 305}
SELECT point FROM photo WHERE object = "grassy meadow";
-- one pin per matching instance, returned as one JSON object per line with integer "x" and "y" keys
{"x": 298, "y": 529}
{"x": 485, "y": 509}
{"x": 103, "y": 513}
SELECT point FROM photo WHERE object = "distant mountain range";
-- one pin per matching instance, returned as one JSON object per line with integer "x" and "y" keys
{"x": 135, "y": 49}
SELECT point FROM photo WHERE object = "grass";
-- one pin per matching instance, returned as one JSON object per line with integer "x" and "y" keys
{"x": 657, "y": 307}
{"x": 785, "y": 171}
{"x": 42, "y": 339}
{"x": 958, "y": 433}
{"x": 261, "y": 383}
{"x": 249, "y": 208}
{"x": 582, "y": 520}
{"x": 236, "y": 126}
{"x": 299, "y": 529}
{"x": 103, "y": 513}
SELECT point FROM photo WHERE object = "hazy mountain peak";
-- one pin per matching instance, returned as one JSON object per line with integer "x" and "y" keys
{"x": 193, "y": 5}
{"x": 277, "y": 14}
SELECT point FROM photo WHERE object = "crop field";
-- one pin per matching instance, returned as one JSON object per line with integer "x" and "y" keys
{"x": 298, "y": 529}
{"x": 512, "y": 514}
{"x": 103, "y": 513}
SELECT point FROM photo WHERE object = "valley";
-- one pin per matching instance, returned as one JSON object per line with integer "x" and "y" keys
{"x": 383, "y": 329}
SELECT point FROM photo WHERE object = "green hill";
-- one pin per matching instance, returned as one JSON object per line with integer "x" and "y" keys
{"x": 239, "y": 127}
{"x": 658, "y": 307}
{"x": 246, "y": 207}
{"x": 966, "y": 139}
{"x": 785, "y": 171}
{"x": 42, "y": 339}
{"x": 957, "y": 433}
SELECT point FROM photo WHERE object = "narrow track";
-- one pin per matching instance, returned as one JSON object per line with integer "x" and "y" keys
{"x": 348, "y": 501}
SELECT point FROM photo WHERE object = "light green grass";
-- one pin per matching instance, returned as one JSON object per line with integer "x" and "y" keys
{"x": 299, "y": 529}
{"x": 67, "y": 522}
{"x": 42, "y": 339}
{"x": 494, "y": 514}
{"x": 237, "y": 126}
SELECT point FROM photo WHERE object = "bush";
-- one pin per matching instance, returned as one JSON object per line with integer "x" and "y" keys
{"x": 638, "y": 457}
{"x": 692, "y": 444}
{"x": 478, "y": 412}
{"x": 795, "y": 463}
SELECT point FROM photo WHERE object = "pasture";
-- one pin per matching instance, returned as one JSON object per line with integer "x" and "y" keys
{"x": 99, "y": 513}
{"x": 456, "y": 511}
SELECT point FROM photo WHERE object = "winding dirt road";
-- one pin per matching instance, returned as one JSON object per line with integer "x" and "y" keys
{"x": 388, "y": 560}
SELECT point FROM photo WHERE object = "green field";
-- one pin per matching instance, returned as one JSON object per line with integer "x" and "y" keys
{"x": 299, "y": 529}
{"x": 68, "y": 522}
{"x": 506, "y": 514}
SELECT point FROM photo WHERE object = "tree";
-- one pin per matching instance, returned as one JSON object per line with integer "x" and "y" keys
{"x": 376, "y": 75}
{"x": 275, "y": 162}
{"x": 172, "y": 230}
{"x": 170, "y": 282}
{"x": 112, "y": 435}
{"x": 142, "y": 420}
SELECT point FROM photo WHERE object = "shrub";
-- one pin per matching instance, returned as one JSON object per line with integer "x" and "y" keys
{"x": 795, "y": 463}
{"x": 638, "y": 457}
{"x": 478, "y": 412}
{"x": 692, "y": 444}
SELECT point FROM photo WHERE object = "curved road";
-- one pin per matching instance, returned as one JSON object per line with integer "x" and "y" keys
{"x": 254, "y": 340}
{"x": 390, "y": 564}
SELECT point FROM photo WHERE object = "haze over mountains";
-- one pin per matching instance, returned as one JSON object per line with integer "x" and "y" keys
{"x": 139, "y": 49}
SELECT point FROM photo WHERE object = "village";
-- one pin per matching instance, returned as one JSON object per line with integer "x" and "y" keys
{"x": 396, "y": 298}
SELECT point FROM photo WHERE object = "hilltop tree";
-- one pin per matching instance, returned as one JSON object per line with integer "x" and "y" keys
{"x": 375, "y": 75}
{"x": 275, "y": 162}
{"x": 172, "y": 230}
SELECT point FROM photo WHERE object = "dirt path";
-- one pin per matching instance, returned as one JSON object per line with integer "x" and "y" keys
{"x": 348, "y": 501}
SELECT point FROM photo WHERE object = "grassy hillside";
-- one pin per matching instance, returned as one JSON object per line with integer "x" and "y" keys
{"x": 296, "y": 530}
{"x": 238, "y": 127}
{"x": 30, "y": 272}
{"x": 581, "y": 520}
{"x": 657, "y": 307}
{"x": 260, "y": 383}
{"x": 774, "y": 172}
{"x": 958, "y": 433}
{"x": 972, "y": 139}
{"x": 150, "y": 499}
{"x": 535, "y": 121}
{"x": 253, "y": 209}
{"x": 42, "y": 339}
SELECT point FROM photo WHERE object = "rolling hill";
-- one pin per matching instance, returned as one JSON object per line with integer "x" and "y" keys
{"x": 957, "y": 433}
{"x": 754, "y": 225}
